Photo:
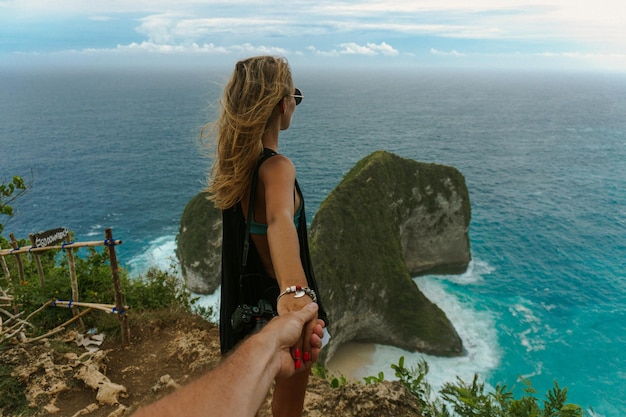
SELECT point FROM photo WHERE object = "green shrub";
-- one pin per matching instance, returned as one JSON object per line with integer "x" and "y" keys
{"x": 473, "y": 400}
{"x": 154, "y": 290}
{"x": 9, "y": 192}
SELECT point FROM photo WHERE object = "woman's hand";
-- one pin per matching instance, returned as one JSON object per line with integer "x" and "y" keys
{"x": 306, "y": 348}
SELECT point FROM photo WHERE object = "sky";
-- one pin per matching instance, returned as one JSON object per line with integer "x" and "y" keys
{"x": 524, "y": 34}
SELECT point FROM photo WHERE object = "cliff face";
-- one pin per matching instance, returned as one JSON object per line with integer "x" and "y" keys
{"x": 199, "y": 245}
{"x": 388, "y": 219}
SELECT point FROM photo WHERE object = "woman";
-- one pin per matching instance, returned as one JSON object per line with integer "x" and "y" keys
{"x": 256, "y": 189}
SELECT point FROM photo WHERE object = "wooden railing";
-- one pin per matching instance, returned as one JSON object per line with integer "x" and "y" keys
{"x": 14, "y": 326}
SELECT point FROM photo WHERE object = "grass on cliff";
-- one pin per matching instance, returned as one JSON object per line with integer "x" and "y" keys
{"x": 463, "y": 399}
{"x": 162, "y": 293}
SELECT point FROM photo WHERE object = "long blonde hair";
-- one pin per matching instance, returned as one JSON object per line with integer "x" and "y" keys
{"x": 255, "y": 88}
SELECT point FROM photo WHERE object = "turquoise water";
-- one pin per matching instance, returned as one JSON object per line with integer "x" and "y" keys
{"x": 543, "y": 156}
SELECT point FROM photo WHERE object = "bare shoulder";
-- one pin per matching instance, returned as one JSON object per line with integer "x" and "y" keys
{"x": 277, "y": 166}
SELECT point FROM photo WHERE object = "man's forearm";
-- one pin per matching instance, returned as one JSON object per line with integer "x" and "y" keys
{"x": 237, "y": 387}
{"x": 252, "y": 371}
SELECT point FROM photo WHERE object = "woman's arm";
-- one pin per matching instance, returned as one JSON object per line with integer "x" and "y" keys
{"x": 278, "y": 175}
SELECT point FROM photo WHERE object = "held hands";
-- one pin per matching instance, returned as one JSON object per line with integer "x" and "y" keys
{"x": 298, "y": 336}
{"x": 296, "y": 296}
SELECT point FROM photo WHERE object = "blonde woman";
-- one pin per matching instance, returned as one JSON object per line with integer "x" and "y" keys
{"x": 266, "y": 266}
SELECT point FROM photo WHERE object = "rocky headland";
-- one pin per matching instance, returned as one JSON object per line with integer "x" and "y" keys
{"x": 199, "y": 245}
{"x": 388, "y": 219}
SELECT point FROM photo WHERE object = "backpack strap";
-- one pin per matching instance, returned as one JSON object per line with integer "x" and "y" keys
{"x": 267, "y": 153}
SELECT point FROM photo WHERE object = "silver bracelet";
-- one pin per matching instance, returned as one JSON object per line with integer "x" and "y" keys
{"x": 298, "y": 292}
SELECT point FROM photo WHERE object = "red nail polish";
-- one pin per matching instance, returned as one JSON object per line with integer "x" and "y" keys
{"x": 296, "y": 354}
{"x": 298, "y": 363}
{"x": 306, "y": 356}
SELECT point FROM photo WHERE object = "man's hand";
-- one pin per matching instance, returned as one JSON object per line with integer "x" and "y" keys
{"x": 286, "y": 331}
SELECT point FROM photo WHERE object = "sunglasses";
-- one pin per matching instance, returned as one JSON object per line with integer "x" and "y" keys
{"x": 298, "y": 96}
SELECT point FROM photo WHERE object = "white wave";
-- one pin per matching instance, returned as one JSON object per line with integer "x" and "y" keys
{"x": 161, "y": 253}
{"x": 532, "y": 338}
{"x": 538, "y": 371}
{"x": 525, "y": 313}
{"x": 475, "y": 327}
{"x": 96, "y": 230}
{"x": 476, "y": 270}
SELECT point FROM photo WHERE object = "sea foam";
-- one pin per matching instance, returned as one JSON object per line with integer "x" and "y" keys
{"x": 160, "y": 254}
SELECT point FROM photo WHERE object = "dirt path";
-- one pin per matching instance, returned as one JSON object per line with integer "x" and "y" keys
{"x": 159, "y": 357}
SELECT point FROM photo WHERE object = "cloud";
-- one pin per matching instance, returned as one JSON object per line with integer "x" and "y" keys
{"x": 353, "y": 48}
{"x": 318, "y": 52}
{"x": 193, "y": 48}
{"x": 368, "y": 49}
{"x": 453, "y": 53}
{"x": 101, "y": 18}
{"x": 511, "y": 17}
{"x": 491, "y": 28}
{"x": 174, "y": 28}
{"x": 249, "y": 49}
{"x": 150, "y": 47}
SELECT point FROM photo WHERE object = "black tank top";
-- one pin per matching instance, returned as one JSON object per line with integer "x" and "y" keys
{"x": 259, "y": 286}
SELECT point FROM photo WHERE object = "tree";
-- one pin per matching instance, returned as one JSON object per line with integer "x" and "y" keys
{"x": 9, "y": 192}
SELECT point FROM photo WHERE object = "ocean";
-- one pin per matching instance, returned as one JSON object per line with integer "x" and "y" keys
{"x": 543, "y": 155}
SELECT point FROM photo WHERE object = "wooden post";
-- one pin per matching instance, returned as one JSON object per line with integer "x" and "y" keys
{"x": 119, "y": 296}
{"x": 37, "y": 260}
{"x": 5, "y": 299}
{"x": 20, "y": 267}
{"x": 73, "y": 279}
{"x": 5, "y": 268}
{"x": 72, "y": 266}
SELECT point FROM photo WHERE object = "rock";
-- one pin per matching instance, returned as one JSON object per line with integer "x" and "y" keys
{"x": 87, "y": 410}
{"x": 192, "y": 350}
{"x": 199, "y": 244}
{"x": 51, "y": 408}
{"x": 165, "y": 383}
{"x": 382, "y": 399}
{"x": 388, "y": 219}
{"x": 120, "y": 411}
{"x": 107, "y": 391}
{"x": 45, "y": 379}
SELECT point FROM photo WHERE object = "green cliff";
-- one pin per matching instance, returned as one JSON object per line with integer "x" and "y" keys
{"x": 199, "y": 245}
{"x": 388, "y": 219}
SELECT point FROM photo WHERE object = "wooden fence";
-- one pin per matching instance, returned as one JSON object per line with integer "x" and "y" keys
{"x": 15, "y": 325}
